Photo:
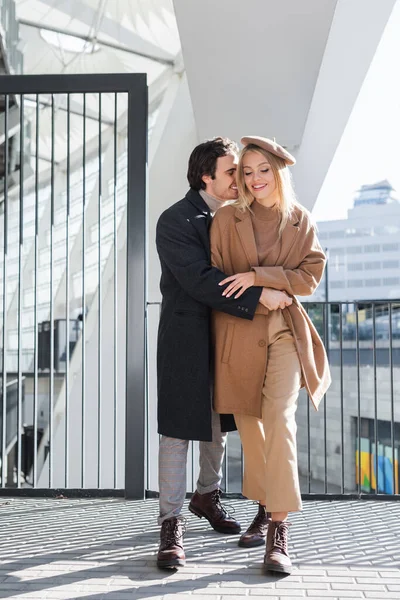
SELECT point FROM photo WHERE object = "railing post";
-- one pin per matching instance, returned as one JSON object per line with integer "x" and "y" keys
{"x": 136, "y": 294}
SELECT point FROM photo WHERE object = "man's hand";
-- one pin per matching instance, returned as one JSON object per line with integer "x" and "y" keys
{"x": 274, "y": 299}
{"x": 238, "y": 283}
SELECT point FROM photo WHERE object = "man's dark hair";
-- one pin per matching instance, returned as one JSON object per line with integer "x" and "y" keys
{"x": 203, "y": 160}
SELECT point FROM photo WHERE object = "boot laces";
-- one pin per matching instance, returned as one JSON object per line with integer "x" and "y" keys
{"x": 223, "y": 508}
{"x": 281, "y": 536}
{"x": 259, "y": 522}
{"x": 174, "y": 531}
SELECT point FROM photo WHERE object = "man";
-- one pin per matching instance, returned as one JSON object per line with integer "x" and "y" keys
{"x": 190, "y": 288}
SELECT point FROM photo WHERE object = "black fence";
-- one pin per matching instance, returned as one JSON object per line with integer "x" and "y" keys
{"x": 350, "y": 447}
{"x": 73, "y": 152}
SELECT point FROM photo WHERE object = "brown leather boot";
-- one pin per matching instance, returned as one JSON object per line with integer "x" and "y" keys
{"x": 171, "y": 553}
{"x": 209, "y": 506}
{"x": 276, "y": 557}
{"x": 257, "y": 532}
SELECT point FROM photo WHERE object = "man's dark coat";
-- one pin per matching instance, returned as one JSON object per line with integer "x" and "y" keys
{"x": 189, "y": 286}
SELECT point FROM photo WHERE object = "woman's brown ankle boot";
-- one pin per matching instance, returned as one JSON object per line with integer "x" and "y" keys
{"x": 276, "y": 557}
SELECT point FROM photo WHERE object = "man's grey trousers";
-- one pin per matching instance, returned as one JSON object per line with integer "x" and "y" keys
{"x": 172, "y": 459}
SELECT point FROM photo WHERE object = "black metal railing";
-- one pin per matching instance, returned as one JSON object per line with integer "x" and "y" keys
{"x": 350, "y": 447}
{"x": 72, "y": 263}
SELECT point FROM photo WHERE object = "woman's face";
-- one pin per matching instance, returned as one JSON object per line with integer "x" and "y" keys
{"x": 259, "y": 178}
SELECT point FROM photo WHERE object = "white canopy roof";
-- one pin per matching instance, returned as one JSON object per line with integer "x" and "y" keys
{"x": 139, "y": 28}
{"x": 93, "y": 36}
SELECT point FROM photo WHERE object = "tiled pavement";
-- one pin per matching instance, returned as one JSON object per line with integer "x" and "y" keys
{"x": 105, "y": 549}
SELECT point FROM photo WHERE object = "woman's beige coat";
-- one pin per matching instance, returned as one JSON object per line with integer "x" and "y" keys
{"x": 240, "y": 345}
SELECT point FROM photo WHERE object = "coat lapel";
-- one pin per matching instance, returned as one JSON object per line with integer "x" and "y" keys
{"x": 202, "y": 219}
{"x": 289, "y": 237}
{"x": 245, "y": 231}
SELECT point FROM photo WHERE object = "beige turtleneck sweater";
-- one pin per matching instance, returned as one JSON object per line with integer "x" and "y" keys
{"x": 265, "y": 223}
{"x": 213, "y": 203}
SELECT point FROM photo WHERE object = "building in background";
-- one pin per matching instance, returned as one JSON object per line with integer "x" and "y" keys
{"x": 364, "y": 249}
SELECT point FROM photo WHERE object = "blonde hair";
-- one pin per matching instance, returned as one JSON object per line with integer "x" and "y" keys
{"x": 283, "y": 180}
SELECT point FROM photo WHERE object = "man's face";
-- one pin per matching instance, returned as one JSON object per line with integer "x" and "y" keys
{"x": 223, "y": 187}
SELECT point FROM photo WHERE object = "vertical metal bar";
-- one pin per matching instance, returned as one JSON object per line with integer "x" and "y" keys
{"x": 375, "y": 395}
{"x": 308, "y": 440}
{"x": 358, "y": 397}
{"x": 20, "y": 283}
{"x": 83, "y": 433}
{"x": 326, "y": 330}
{"x": 35, "y": 300}
{"x": 241, "y": 466}
{"x": 136, "y": 289}
{"x": 4, "y": 340}
{"x": 115, "y": 250}
{"x": 341, "y": 391}
{"x": 308, "y": 446}
{"x": 147, "y": 461}
{"x": 99, "y": 311}
{"x": 51, "y": 386}
{"x": 392, "y": 415}
{"x": 67, "y": 275}
{"x": 192, "y": 463}
{"x": 227, "y": 465}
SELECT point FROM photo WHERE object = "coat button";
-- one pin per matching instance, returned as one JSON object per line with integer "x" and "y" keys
{"x": 261, "y": 343}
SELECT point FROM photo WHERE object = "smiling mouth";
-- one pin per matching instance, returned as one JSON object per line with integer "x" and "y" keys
{"x": 259, "y": 187}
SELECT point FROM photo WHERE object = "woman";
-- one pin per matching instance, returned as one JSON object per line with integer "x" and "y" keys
{"x": 266, "y": 238}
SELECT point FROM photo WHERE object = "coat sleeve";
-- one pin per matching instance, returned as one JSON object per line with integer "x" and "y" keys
{"x": 180, "y": 248}
{"x": 304, "y": 279}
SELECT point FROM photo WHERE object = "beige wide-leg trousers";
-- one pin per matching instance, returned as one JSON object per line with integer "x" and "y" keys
{"x": 269, "y": 444}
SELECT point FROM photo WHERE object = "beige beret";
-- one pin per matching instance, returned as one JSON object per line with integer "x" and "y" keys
{"x": 270, "y": 146}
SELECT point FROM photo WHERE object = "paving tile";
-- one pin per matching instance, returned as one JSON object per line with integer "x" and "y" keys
{"x": 281, "y": 593}
{"x": 359, "y": 586}
{"x": 386, "y": 595}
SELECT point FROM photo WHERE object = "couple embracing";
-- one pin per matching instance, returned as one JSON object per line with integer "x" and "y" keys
{"x": 234, "y": 344}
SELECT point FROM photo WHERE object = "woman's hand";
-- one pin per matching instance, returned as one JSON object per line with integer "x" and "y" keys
{"x": 274, "y": 299}
{"x": 238, "y": 283}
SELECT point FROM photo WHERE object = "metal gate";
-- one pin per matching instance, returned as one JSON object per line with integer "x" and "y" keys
{"x": 72, "y": 284}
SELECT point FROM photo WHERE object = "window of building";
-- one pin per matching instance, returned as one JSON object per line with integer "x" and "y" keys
{"x": 391, "y": 281}
{"x": 390, "y": 264}
{"x": 358, "y": 266}
{"x": 372, "y": 248}
{"x": 369, "y": 266}
{"x": 355, "y": 283}
{"x": 390, "y": 247}
{"x": 335, "y": 285}
{"x": 351, "y": 232}
{"x": 336, "y": 251}
{"x": 373, "y": 282}
{"x": 389, "y": 230}
{"x": 336, "y": 234}
{"x": 354, "y": 250}
{"x": 363, "y": 231}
